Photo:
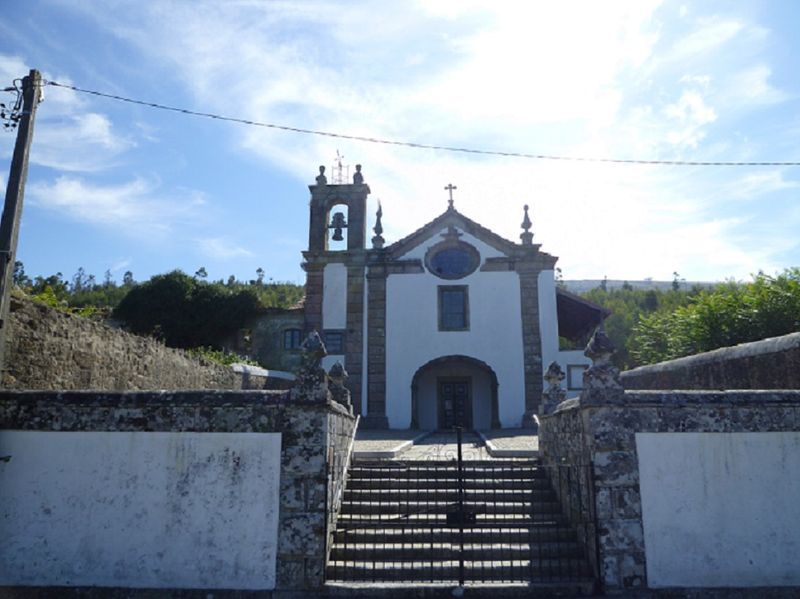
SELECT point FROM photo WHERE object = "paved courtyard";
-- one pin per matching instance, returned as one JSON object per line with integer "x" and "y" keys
{"x": 421, "y": 445}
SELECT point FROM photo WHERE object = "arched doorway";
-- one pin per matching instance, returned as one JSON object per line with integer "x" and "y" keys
{"x": 454, "y": 390}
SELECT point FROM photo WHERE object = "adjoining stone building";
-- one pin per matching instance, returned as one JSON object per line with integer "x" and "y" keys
{"x": 452, "y": 321}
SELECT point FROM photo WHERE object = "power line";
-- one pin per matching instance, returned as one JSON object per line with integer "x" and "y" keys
{"x": 409, "y": 144}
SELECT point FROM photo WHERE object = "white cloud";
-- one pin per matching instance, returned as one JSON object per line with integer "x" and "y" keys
{"x": 751, "y": 86}
{"x": 567, "y": 78}
{"x": 710, "y": 35}
{"x": 135, "y": 208}
{"x": 68, "y": 136}
{"x": 220, "y": 248}
{"x": 690, "y": 114}
{"x": 82, "y": 143}
{"x": 759, "y": 184}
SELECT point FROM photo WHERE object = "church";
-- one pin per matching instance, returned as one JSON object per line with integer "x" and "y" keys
{"x": 452, "y": 324}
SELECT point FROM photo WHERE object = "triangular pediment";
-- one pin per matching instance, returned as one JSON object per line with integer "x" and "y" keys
{"x": 451, "y": 218}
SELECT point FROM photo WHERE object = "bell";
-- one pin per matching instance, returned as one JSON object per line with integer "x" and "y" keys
{"x": 338, "y": 223}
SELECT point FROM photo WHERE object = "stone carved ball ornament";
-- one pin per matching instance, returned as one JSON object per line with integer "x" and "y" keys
{"x": 452, "y": 258}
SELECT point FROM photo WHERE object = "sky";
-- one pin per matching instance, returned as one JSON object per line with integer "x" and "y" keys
{"x": 119, "y": 187}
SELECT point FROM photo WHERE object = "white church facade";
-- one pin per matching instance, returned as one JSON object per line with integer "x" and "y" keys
{"x": 452, "y": 324}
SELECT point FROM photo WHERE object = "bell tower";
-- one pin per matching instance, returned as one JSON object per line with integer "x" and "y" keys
{"x": 335, "y": 278}
{"x": 324, "y": 218}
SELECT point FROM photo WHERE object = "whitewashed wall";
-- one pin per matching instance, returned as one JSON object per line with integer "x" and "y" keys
{"x": 334, "y": 304}
{"x": 141, "y": 509}
{"x": 413, "y": 338}
{"x": 720, "y": 509}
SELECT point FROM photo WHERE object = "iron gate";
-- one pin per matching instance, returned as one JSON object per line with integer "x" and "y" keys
{"x": 459, "y": 521}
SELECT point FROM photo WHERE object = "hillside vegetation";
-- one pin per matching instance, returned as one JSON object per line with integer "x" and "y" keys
{"x": 655, "y": 325}
{"x": 182, "y": 311}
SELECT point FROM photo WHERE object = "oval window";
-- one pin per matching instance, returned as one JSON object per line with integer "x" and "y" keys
{"x": 453, "y": 261}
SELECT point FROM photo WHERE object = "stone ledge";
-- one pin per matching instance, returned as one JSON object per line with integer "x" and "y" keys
{"x": 504, "y": 452}
{"x": 390, "y": 452}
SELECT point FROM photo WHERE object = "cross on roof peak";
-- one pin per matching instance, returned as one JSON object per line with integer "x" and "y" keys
{"x": 450, "y": 187}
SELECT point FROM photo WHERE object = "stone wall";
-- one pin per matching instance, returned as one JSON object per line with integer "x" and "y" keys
{"x": 51, "y": 350}
{"x": 601, "y": 430}
{"x": 315, "y": 438}
{"x": 772, "y": 363}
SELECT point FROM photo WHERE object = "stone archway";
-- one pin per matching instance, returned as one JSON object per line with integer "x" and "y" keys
{"x": 483, "y": 409}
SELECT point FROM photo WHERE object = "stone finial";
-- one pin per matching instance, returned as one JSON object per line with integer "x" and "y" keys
{"x": 378, "y": 240}
{"x": 321, "y": 178}
{"x": 337, "y": 377}
{"x": 337, "y": 373}
{"x": 600, "y": 348}
{"x": 601, "y": 382}
{"x": 358, "y": 178}
{"x": 554, "y": 394}
{"x": 526, "y": 236}
{"x": 554, "y": 375}
{"x": 311, "y": 382}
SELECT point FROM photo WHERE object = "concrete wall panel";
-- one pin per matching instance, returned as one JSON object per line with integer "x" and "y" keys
{"x": 720, "y": 509}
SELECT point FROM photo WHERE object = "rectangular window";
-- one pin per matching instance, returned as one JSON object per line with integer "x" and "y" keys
{"x": 575, "y": 376}
{"x": 292, "y": 338}
{"x": 453, "y": 308}
{"x": 334, "y": 342}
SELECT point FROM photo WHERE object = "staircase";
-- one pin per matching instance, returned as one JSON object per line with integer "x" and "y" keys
{"x": 415, "y": 521}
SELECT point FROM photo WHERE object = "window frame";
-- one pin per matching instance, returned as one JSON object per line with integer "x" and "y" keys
{"x": 341, "y": 333}
{"x": 442, "y": 290}
{"x": 575, "y": 376}
{"x": 290, "y": 346}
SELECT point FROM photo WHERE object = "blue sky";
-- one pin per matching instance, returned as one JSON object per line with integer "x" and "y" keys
{"x": 122, "y": 187}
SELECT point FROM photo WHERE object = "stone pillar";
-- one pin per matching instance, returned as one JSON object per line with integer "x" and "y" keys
{"x": 376, "y": 348}
{"x": 528, "y": 269}
{"x": 354, "y": 339}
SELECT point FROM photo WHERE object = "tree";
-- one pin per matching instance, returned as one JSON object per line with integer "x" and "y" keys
{"x": 127, "y": 279}
{"x": 79, "y": 280}
{"x": 19, "y": 278}
{"x": 201, "y": 273}
{"x": 187, "y": 312}
{"x": 260, "y": 276}
{"x": 727, "y": 315}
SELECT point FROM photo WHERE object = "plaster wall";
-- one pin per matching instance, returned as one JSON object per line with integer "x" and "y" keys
{"x": 334, "y": 296}
{"x": 720, "y": 509}
{"x": 139, "y": 509}
{"x": 334, "y": 305}
{"x": 494, "y": 335}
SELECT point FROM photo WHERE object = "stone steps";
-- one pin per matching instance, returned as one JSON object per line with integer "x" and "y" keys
{"x": 414, "y": 550}
{"x": 399, "y": 523}
{"x": 543, "y": 533}
{"x": 540, "y": 570}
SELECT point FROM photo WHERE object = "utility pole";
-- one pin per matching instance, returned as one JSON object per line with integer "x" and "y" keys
{"x": 15, "y": 192}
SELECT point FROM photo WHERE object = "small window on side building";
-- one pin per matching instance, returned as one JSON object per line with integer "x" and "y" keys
{"x": 292, "y": 338}
{"x": 575, "y": 376}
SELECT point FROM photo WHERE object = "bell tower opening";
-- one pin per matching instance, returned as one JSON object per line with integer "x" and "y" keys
{"x": 337, "y": 228}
